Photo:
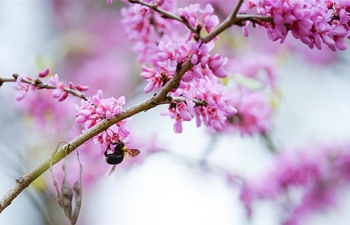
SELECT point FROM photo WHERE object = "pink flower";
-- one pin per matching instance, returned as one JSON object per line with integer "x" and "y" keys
{"x": 206, "y": 101}
{"x": 138, "y": 22}
{"x": 21, "y": 87}
{"x": 313, "y": 22}
{"x": 178, "y": 126}
{"x": 86, "y": 112}
{"x": 156, "y": 78}
{"x": 82, "y": 87}
{"x": 165, "y": 53}
{"x": 190, "y": 14}
{"x": 44, "y": 73}
{"x": 318, "y": 176}
{"x": 92, "y": 111}
{"x": 210, "y": 21}
{"x": 59, "y": 92}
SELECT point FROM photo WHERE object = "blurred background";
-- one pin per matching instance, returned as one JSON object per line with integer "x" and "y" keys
{"x": 190, "y": 178}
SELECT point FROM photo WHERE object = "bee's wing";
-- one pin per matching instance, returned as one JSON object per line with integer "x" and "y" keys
{"x": 112, "y": 170}
{"x": 133, "y": 152}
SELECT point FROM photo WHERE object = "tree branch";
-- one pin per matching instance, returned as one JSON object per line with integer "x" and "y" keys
{"x": 165, "y": 14}
{"x": 234, "y": 19}
{"x": 40, "y": 85}
{"x": 197, "y": 102}
{"x": 25, "y": 180}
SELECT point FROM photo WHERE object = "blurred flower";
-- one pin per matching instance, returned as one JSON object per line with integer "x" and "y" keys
{"x": 254, "y": 114}
{"x": 318, "y": 176}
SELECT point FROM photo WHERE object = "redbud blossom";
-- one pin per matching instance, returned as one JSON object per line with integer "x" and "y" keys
{"x": 118, "y": 132}
{"x": 214, "y": 105}
{"x": 21, "y": 87}
{"x": 190, "y": 14}
{"x": 82, "y": 88}
{"x": 44, "y": 73}
{"x": 138, "y": 22}
{"x": 313, "y": 22}
{"x": 59, "y": 92}
{"x": 166, "y": 53}
{"x": 209, "y": 20}
{"x": 63, "y": 97}
{"x": 95, "y": 109}
{"x": 317, "y": 176}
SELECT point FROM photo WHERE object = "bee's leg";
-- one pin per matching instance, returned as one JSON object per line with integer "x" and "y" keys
{"x": 108, "y": 148}
{"x": 107, "y": 154}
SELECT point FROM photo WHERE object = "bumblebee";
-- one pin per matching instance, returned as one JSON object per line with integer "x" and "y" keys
{"x": 118, "y": 154}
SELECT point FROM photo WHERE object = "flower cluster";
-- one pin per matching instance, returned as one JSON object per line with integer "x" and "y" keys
{"x": 152, "y": 33}
{"x": 313, "y": 21}
{"x": 317, "y": 176}
{"x": 145, "y": 28}
{"x": 92, "y": 111}
{"x": 206, "y": 100}
{"x": 24, "y": 83}
{"x": 172, "y": 53}
{"x": 208, "y": 20}
{"x": 22, "y": 87}
{"x": 199, "y": 84}
{"x": 60, "y": 91}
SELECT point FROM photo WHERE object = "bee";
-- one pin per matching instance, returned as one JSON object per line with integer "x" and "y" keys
{"x": 118, "y": 154}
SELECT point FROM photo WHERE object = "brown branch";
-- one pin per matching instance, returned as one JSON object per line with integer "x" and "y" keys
{"x": 165, "y": 14}
{"x": 253, "y": 18}
{"x": 237, "y": 20}
{"x": 228, "y": 22}
{"x": 4, "y": 80}
{"x": 237, "y": 7}
{"x": 234, "y": 19}
{"x": 197, "y": 102}
{"x": 25, "y": 180}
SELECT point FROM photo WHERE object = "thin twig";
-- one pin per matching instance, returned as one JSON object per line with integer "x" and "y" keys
{"x": 3, "y": 80}
{"x": 269, "y": 142}
{"x": 165, "y": 14}
{"x": 40, "y": 85}
{"x": 234, "y": 19}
